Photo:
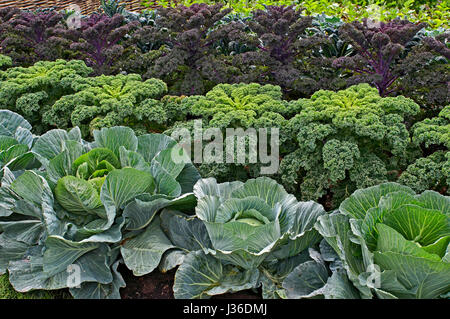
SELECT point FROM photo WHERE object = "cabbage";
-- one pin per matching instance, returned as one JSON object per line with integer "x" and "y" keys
{"x": 90, "y": 206}
{"x": 393, "y": 242}
{"x": 257, "y": 233}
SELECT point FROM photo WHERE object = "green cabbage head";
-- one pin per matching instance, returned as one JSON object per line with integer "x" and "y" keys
{"x": 393, "y": 242}
{"x": 256, "y": 234}
{"x": 248, "y": 221}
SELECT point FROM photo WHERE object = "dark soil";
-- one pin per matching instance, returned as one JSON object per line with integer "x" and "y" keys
{"x": 159, "y": 286}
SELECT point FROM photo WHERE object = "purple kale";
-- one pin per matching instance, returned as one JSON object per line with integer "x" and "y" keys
{"x": 425, "y": 75}
{"x": 284, "y": 55}
{"x": 378, "y": 47}
{"x": 99, "y": 40}
{"x": 192, "y": 64}
{"x": 36, "y": 36}
{"x": 6, "y": 16}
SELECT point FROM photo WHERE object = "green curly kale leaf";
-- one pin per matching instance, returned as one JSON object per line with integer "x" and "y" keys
{"x": 5, "y": 62}
{"x": 236, "y": 106}
{"x": 345, "y": 140}
{"x": 241, "y": 105}
{"x": 32, "y": 91}
{"x": 107, "y": 101}
{"x": 432, "y": 171}
{"x": 434, "y": 131}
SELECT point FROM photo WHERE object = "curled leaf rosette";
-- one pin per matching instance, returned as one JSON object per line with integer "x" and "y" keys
{"x": 256, "y": 234}
{"x": 248, "y": 221}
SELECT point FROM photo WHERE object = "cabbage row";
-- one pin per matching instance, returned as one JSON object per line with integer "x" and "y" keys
{"x": 72, "y": 211}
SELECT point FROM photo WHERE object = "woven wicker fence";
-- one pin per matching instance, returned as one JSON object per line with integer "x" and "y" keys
{"x": 87, "y": 6}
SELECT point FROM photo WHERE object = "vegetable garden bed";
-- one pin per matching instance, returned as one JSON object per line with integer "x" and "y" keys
{"x": 118, "y": 178}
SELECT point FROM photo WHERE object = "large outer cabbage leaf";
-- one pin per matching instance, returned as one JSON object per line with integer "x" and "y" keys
{"x": 16, "y": 140}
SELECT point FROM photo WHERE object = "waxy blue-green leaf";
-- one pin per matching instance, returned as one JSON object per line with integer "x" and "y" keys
{"x": 149, "y": 145}
{"x": 306, "y": 281}
{"x": 165, "y": 183}
{"x": 301, "y": 232}
{"x": 133, "y": 159}
{"x": 28, "y": 273}
{"x": 115, "y": 137}
{"x": 171, "y": 259}
{"x": 187, "y": 178}
{"x": 185, "y": 231}
{"x": 24, "y": 136}
{"x": 235, "y": 235}
{"x": 172, "y": 160}
{"x": 122, "y": 186}
{"x": 263, "y": 187}
{"x": 143, "y": 253}
{"x": 340, "y": 287}
{"x": 201, "y": 276}
{"x": 97, "y": 290}
{"x": 10, "y": 122}
{"x": 363, "y": 199}
{"x": 79, "y": 197}
{"x": 10, "y": 249}
{"x": 30, "y": 187}
{"x": 26, "y": 231}
{"x": 61, "y": 252}
{"x": 61, "y": 164}
{"x": 248, "y": 222}
{"x": 16, "y": 157}
{"x": 51, "y": 144}
{"x": 140, "y": 212}
{"x": 336, "y": 230}
{"x": 210, "y": 187}
{"x": 422, "y": 277}
{"x": 36, "y": 200}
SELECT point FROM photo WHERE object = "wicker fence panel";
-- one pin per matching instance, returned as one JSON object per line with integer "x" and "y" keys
{"x": 87, "y": 6}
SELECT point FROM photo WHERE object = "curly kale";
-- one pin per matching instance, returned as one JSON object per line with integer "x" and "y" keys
{"x": 146, "y": 44}
{"x": 32, "y": 91}
{"x": 434, "y": 131}
{"x": 285, "y": 52}
{"x": 6, "y": 16}
{"x": 191, "y": 65}
{"x": 345, "y": 140}
{"x": 426, "y": 73}
{"x": 432, "y": 171}
{"x": 429, "y": 172}
{"x": 107, "y": 101}
{"x": 389, "y": 57}
{"x": 36, "y": 36}
{"x": 5, "y": 62}
{"x": 235, "y": 106}
{"x": 99, "y": 41}
{"x": 239, "y": 105}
